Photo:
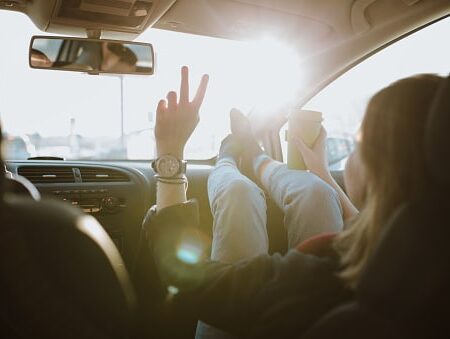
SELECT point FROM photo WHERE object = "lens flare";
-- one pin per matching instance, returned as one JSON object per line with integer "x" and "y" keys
{"x": 172, "y": 290}
{"x": 189, "y": 253}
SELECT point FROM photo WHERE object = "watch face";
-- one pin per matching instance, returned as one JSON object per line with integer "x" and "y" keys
{"x": 168, "y": 166}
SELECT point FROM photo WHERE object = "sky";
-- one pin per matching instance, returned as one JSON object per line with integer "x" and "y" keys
{"x": 45, "y": 101}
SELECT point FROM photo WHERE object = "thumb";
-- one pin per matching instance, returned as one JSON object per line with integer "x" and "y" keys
{"x": 321, "y": 140}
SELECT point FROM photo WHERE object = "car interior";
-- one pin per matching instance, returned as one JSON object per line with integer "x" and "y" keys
{"x": 71, "y": 226}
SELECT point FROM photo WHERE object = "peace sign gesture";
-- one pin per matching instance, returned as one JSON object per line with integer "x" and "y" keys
{"x": 177, "y": 119}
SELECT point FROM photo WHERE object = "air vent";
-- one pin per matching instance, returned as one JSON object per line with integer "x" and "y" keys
{"x": 47, "y": 174}
{"x": 96, "y": 174}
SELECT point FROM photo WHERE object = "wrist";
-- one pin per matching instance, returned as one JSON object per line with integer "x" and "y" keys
{"x": 177, "y": 152}
{"x": 325, "y": 175}
{"x": 330, "y": 181}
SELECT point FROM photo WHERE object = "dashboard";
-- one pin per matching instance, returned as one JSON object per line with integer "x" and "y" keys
{"x": 118, "y": 194}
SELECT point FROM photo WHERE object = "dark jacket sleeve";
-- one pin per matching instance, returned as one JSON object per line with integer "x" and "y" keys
{"x": 238, "y": 297}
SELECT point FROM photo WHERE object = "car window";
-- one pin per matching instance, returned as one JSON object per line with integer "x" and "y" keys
{"x": 80, "y": 116}
{"x": 343, "y": 102}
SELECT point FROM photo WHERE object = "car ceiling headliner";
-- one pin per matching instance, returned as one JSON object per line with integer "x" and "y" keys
{"x": 310, "y": 25}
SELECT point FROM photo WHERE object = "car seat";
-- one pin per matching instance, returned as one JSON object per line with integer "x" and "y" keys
{"x": 60, "y": 274}
{"x": 404, "y": 291}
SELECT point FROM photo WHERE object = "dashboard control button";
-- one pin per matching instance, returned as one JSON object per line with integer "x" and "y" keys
{"x": 110, "y": 203}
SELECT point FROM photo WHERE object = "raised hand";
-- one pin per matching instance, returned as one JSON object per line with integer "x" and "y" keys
{"x": 315, "y": 158}
{"x": 176, "y": 118}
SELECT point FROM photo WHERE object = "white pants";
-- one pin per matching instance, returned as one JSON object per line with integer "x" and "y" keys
{"x": 238, "y": 205}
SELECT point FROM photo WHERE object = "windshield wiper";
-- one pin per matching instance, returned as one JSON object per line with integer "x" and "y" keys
{"x": 45, "y": 158}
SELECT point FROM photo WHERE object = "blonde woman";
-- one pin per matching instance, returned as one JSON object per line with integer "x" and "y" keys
{"x": 281, "y": 296}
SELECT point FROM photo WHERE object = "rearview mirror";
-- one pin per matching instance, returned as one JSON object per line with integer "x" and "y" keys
{"x": 93, "y": 56}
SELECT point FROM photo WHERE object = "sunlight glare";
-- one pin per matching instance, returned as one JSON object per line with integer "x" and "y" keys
{"x": 274, "y": 74}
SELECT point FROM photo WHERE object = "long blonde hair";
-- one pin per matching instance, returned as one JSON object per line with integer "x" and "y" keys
{"x": 392, "y": 151}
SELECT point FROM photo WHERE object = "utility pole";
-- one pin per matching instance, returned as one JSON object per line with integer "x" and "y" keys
{"x": 122, "y": 133}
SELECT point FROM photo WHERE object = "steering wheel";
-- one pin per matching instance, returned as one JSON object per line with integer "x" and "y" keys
{"x": 20, "y": 185}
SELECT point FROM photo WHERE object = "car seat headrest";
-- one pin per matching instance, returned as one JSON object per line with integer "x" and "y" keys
{"x": 437, "y": 139}
{"x": 407, "y": 278}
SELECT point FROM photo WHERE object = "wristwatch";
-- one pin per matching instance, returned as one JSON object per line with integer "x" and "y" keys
{"x": 169, "y": 166}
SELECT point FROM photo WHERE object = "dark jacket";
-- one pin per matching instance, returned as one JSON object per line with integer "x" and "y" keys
{"x": 268, "y": 296}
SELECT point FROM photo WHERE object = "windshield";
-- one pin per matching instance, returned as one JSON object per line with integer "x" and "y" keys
{"x": 80, "y": 116}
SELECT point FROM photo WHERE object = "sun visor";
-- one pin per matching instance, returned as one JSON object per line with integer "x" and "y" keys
{"x": 112, "y": 17}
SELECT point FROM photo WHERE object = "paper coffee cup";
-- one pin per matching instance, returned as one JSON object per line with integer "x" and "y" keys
{"x": 306, "y": 125}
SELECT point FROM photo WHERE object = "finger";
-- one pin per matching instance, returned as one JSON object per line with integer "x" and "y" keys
{"x": 184, "y": 88}
{"x": 301, "y": 146}
{"x": 161, "y": 109}
{"x": 321, "y": 139}
{"x": 171, "y": 101}
{"x": 322, "y": 134}
{"x": 201, "y": 91}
